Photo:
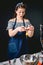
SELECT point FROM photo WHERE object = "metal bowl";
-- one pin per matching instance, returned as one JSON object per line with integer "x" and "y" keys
{"x": 29, "y": 59}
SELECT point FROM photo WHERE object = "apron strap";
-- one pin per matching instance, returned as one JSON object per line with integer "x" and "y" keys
{"x": 15, "y": 22}
{"x": 23, "y": 22}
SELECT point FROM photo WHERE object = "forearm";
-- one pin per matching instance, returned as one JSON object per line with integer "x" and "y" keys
{"x": 12, "y": 32}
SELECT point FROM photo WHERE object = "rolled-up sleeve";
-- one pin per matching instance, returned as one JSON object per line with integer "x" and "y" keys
{"x": 10, "y": 25}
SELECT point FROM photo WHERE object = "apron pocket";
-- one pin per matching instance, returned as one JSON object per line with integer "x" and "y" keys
{"x": 12, "y": 47}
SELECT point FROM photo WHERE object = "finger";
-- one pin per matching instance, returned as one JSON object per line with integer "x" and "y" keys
{"x": 22, "y": 26}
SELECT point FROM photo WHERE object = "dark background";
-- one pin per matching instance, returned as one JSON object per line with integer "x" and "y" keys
{"x": 34, "y": 13}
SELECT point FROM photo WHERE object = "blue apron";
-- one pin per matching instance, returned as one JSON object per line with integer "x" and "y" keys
{"x": 15, "y": 44}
